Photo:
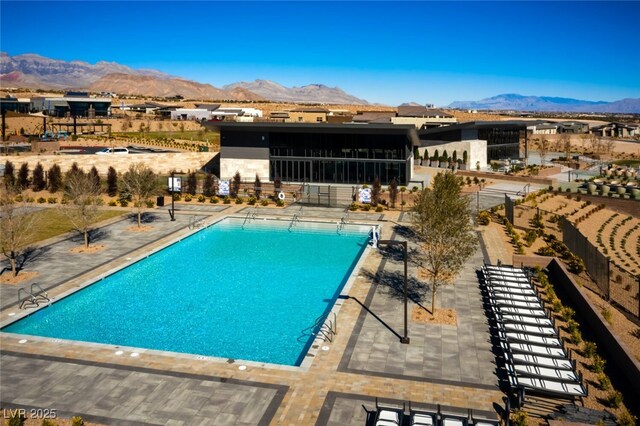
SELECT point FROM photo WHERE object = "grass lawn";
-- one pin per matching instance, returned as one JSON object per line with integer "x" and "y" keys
{"x": 51, "y": 222}
{"x": 196, "y": 135}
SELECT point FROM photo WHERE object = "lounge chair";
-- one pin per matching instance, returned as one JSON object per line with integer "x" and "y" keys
{"x": 529, "y": 329}
{"x": 388, "y": 416}
{"x": 536, "y": 350}
{"x": 519, "y": 319}
{"x": 502, "y": 302}
{"x": 542, "y": 361}
{"x": 515, "y": 337}
{"x": 525, "y": 370}
{"x": 508, "y": 285}
{"x": 533, "y": 313}
{"x": 423, "y": 417}
{"x": 477, "y": 420}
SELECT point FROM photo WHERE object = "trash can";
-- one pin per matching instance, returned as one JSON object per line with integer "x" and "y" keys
{"x": 160, "y": 201}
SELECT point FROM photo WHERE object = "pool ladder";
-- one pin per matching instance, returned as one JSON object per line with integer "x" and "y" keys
{"x": 250, "y": 216}
{"x": 195, "y": 222}
{"x": 326, "y": 328}
{"x": 295, "y": 219}
{"x": 343, "y": 220}
{"x": 32, "y": 297}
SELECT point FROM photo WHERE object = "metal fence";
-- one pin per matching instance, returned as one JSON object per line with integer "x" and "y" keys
{"x": 611, "y": 282}
{"x": 614, "y": 283}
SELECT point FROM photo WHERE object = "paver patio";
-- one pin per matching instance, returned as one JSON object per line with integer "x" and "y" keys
{"x": 442, "y": 364}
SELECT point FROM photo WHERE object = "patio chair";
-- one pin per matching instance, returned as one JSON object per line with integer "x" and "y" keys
{"x": 560, "y": 375}
{"x": 507, "y": 284}
{"x": 514, "y": 337}
{"x": 388, "y": 416}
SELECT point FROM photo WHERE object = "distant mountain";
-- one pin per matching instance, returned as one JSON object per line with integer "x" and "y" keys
{"x": 315, "y": 93}
{"x": 517, "y": 102}
{"x": 37, "y": 72}
{"x": 128, "y": 84}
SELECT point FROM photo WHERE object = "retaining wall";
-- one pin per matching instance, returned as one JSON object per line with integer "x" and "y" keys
{"x": 616, "y": 350}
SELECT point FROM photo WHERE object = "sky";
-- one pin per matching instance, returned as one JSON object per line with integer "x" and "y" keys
{"x": 384, "y": 52}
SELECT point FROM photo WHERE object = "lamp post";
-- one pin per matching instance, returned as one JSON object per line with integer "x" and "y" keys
{"x": 172, "y": 188}
{"x": 405, "y": 339}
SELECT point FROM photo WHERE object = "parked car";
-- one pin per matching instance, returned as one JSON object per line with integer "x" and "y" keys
{"x": 116, "y": 150}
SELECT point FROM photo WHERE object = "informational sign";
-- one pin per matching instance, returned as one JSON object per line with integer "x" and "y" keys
{"x": 365, "y": 195}
{"x": 223, "y": 187}
{"x": 175, "y": 184}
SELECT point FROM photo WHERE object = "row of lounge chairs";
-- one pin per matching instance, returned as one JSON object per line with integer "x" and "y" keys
{"x": 535, "y": 358}
{"x": 392, "y": 416}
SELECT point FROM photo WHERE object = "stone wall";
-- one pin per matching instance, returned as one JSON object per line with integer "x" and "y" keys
{"x": 476, "y": 150}
{"x": 161, "y": 163}
{"x": 247, "y": 168}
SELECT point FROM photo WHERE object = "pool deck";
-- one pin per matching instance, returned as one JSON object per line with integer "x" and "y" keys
{"x": 450, "y": 365}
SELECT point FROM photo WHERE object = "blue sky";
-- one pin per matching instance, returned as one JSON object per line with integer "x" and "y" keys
{"x": 385, "y": 52}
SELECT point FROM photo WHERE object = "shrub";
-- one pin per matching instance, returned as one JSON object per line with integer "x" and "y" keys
{"x": 17, "y": 419}
{"x": 568, "y": 313}
{"x": 379, "y": 209}
{"x": 546, "y": 251}
{"x": 226, "y": 200}
{"x": 530, "y": 237}
{"x": 626, "y": 418}
{"x": 597, "y": 364}
{"x": 188, "y": 197}
{"x": 19, "y": 198}
{"x": 38, "y": 178}
{"x": 590, "y": 349}
{"x": 366, "y": 207}
{"x": 55, "y": 178}
{"x": 113, "y": 203}
{"x": 252, "y": 201}
{"x": 239, "y": 200}
{"x": 124, "y": 203}
{"x": 112, "y": 182}
{"x": 201, "y": 198}
{"x": 264, "y": 202}
{"x": 518, "y": 418}
{"x": 606, "y": 314}
{"x": 214, "y": 200}
{"x": 614, "y": 399}
{"x": 484, "y": 218}
{"x": 353, "y": 206}
{"x": 77, "y": 421}
{"x": 30, "y": 199}
{"x": 149, "y": 203}
{"x": 576, "y": 337}
{"x": 52, "y": 200}
{"x": 603, "y": 382}
{"x": 177, "y": 196}
{"x": 572, "y": 325}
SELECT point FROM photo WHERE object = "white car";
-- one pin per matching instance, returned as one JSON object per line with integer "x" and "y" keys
{"x": 116, "y": 150}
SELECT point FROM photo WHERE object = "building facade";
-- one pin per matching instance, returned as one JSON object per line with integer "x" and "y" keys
{"x": 503, "y": 138}
{"x": 317, "y": 153}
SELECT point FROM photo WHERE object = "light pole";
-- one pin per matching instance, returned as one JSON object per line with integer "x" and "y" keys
{"x": 405, "y": 339}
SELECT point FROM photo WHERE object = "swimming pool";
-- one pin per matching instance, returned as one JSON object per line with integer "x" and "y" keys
{"x": 225, "y": 291}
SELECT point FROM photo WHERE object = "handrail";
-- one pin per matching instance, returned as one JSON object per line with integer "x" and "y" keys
{"x": 325, "y": 331}
{"x": 250, "y": 216}
{"x": 343, "y": 219}
{"x": 195, "y": 222}
{"x": 41, "y": 293}
{"x": 296, "y": 218}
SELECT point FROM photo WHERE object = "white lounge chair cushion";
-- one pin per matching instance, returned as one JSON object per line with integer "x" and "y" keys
{"x": 542, "y": 361}
{"x": 557, "y": 352}
{"x": 418, "y": 419}
{"x": 452, "y": 421}
{"x": 388, "y": 416}
{"x": 543, "y": 372}
{"x": 561, "y": 388}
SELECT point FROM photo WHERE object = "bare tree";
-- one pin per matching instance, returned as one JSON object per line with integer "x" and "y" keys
{"x": 16, "y": 225}
{"x": 83, "y": 194}
{"x": 595, "y": 142}
{"x": 543, "y": 149}
{"x": 442, "y": 218}
{"x": 584, "y": 140}
{"x": 142, "y": 184}
{"x": 564, "y": 143}
{"x": 609, "y": 145}
{"x": 393, "y": 192}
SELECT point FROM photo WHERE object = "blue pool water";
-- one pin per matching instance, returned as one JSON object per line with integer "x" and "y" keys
{"x": 224, "y": 291}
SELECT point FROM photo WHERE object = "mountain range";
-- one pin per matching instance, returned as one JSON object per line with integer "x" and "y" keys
{"x": 38, "y": 72}
{"x": 515, "y": 102}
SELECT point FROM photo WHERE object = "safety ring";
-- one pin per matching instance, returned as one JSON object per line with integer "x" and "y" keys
{"x": 280, "y": 195}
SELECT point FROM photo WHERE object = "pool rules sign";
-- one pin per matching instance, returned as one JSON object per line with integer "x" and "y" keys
{"x": 365, "y": 195}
